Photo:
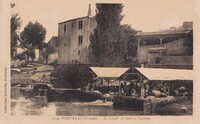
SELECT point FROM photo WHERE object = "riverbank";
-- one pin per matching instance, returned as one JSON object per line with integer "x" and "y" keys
{"x": 182, "y": 106}
{"x": 30, "y": 73}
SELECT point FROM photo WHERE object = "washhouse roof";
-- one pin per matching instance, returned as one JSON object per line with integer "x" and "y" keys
{"x": 166, "y": 74}
{"x": 109, "y": 72}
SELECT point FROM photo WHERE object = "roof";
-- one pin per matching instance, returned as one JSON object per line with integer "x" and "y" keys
{"x": 164, "y": 32}
{"x": 108, "y": 71}
{"x": 74, "y": 19}
{"x": 166, "y": 74}
{"x": 53, "y": 39}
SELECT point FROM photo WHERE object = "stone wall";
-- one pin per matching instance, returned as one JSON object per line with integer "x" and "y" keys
{"x": 52, "y": 58}
{"x": 42, "y": 58}
{"x": 170, "y": 66}
{"x": 174, "y": 62}
{"x": 173, "y": 48}
{"x": 182, "y": 60}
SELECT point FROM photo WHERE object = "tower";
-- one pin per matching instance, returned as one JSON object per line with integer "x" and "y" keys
{"x": 89, "y": 11}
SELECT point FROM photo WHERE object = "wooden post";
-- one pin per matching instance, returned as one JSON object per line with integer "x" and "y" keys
{"x": 142, "y": 92}
{"x": 108, "y": 81}
{"x": 119, "y": 86}
{"x": 138, "y": 50}
{"x": 161, "y": 40}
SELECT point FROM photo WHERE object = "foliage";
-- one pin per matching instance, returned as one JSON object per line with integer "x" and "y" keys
{"x": 110, "y": 41}
{"x": 21, "y": 56}
{"x": 33, "y": 35}
{"x": 129, "y": 43}
{"x": 15, "y": 23}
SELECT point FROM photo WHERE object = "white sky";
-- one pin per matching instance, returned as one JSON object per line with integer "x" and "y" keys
{"x": 145, "y": 15}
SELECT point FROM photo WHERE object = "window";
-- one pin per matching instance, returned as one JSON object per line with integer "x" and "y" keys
{"x": 79, "y": 52}
{"x": 157, "y": 60}
{"x": 65, "y": 44}
{"x": 65, "y": 28}
{"x": 80, "y": 39}
{"x": 80, "y": 25}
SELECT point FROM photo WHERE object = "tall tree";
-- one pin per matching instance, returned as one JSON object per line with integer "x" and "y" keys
{"x": 15, "y": 23}
{"x": 109, "y": 41}
{"x": 33, "y": 37}
{"x": 104, "y": 38}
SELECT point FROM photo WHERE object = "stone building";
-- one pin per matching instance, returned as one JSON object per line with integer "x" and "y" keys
{"x": 167, "y": 48}
{"x": 49, "y": 55}
{"x": 74, "y": 39}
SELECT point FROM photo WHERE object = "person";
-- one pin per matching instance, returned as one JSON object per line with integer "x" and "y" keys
{"x": 146, "y": 89}
{"x": 125, "y": 88}
{"x": 129, "y": 90}
{"x": 122, "y": 88}
{"x": 90, "y": 86}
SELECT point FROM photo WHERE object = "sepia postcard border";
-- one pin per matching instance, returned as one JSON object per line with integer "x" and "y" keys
{"x": 5, "y": 109}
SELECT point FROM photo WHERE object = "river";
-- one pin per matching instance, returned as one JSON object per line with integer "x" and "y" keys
{"x": 31, "y": 106}
{"x": 40, "y": 107}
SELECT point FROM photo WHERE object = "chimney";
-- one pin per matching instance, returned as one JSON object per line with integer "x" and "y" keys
{"x": 89, "y": 11}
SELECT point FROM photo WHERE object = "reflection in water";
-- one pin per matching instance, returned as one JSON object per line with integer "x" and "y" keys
{"x": 32, "y": 107}
{"x": 39, "y": 106}
{"x": 24, "y": 106}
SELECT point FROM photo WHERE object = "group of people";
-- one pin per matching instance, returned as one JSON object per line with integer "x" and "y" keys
{"x": 129, "y": 89}
{"x": 134, "y": 89}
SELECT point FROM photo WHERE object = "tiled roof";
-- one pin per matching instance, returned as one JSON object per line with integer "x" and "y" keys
{"x": 74, "y": 19}
{"x": 164, "y": 32}
{"x": 53, "y": 41}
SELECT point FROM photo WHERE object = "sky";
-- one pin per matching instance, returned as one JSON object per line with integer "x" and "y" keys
{"x": 145, "y": 15}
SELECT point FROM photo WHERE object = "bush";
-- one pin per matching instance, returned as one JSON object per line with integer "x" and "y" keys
{"x": 72, "y": 74}
{"x": 21, "y": 56}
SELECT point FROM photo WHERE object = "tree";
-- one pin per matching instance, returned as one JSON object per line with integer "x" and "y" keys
{"x": 126, "y": 45}
{"x": 32, "y": 37}
{"x": 104, "y": 38}
{"x": 110, "y": 40}
{"x": 33, "y": 34}
{"x": 15, "y": 23}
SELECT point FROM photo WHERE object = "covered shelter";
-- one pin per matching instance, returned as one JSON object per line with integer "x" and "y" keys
{"x": 160, "y": 75}
{"x": 113, "y": 79}
{"x": 109, "y": 72}
{"x": 166, "y": 74}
